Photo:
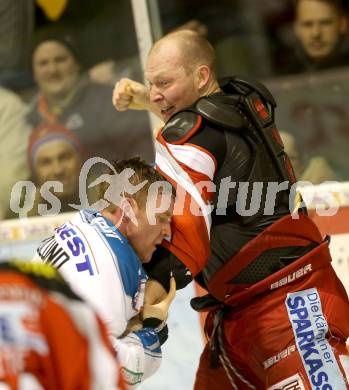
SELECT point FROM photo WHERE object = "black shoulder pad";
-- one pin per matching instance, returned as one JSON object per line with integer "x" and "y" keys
{"x": 237, "y": 84}
{"x": 181, "y": 126}
{"x": 221, "y": 110}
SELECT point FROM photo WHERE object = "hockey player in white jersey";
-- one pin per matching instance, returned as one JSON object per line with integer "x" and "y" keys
{"x": 100, "y": 254}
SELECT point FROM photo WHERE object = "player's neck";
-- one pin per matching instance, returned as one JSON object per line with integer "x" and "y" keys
{"x": 117, "y": 219}
{"x": 212, "y": 87}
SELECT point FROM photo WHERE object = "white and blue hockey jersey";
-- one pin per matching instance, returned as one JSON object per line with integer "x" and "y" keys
{"x": 100, "y": 266}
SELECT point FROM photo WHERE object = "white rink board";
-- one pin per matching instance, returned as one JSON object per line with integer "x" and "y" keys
{"x": 339, "y": 247}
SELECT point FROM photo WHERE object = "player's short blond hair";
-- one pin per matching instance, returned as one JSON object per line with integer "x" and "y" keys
{"x": 142, "y": 172}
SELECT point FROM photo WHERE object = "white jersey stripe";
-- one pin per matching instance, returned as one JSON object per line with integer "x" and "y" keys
{"x": 166, "y": 162}
{"x": 194, "y": 158}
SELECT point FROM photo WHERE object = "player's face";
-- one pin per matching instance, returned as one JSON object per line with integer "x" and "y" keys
{"x": 319, "y": 28}
{"x": 58, "y": 161}
{"x": 55, "y": 69}
{"x": 151, "y": 231}
{"x": 172, "y": 87}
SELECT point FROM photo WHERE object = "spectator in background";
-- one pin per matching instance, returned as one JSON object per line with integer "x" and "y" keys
{"x": 54, "y": 154}
{"x": 316, "y": 170}
{"x": 14, "y": 133}
{"x": 320, "y": 28}
{"x": 83, "y": 106}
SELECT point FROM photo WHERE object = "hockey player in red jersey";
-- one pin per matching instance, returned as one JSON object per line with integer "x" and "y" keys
{"x": 50, "y": 338}
{"x": 278, "y": 314}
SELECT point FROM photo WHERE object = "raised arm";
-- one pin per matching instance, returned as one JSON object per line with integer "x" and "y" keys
{"x": 131, "y": 95}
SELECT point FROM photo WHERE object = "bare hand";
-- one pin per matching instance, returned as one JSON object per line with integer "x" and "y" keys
{"x": 129, "y": 94}
{"x": 160, "y": 310}
{"x": 154, "y": 292}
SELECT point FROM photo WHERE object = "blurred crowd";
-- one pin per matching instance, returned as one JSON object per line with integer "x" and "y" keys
{"x": 59, "y": 61}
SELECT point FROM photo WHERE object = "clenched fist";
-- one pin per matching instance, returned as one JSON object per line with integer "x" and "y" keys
{"x": 129, "y": 94}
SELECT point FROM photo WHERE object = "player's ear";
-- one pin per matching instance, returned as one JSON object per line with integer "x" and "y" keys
{"x": 130, "y": 209}
{"x": 203, "y": 73}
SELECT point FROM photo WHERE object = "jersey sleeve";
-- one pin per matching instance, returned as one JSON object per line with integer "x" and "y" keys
{"x": 188, "y": 160}
{"x": 139, "y": 354}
